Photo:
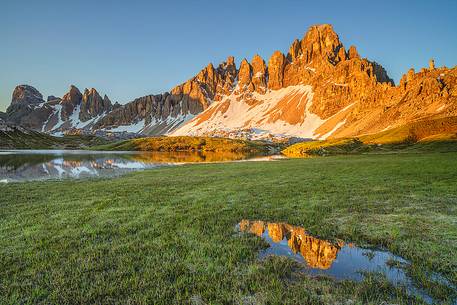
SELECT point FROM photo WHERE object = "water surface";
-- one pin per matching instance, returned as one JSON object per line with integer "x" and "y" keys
{"x": 27, "y": 165}
{"x": 338, "y": 260}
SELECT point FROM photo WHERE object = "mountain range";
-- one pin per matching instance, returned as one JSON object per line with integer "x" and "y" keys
{"x": 320, "y": 89}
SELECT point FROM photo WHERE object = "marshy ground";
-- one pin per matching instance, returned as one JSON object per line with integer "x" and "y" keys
{"x": 167, "y": 235}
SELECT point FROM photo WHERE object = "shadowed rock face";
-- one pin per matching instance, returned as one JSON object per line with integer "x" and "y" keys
{"x": 25, "y": 94}
{"x": 93, "y": 105}
{"x": 70, "y": 101}
{"x": 27, "y": 108}
{"x": 317, "y": 253}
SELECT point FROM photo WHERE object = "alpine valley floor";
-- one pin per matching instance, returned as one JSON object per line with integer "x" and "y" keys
{"x": 166, "y": 236}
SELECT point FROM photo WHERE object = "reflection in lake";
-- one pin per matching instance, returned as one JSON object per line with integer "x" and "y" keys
{"x": 189, "y": 157}
{"x": 25, "y": 165}
{"x": 339, "y": 260}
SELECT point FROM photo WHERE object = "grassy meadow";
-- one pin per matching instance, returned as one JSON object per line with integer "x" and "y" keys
{"x": 186, "y": 143}
{"x": 39, "y": 140}
{"x": 166, "y": 236}
{"x": 357, "y": 146}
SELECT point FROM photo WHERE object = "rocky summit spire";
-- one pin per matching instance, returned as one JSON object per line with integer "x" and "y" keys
{"x": 70, "y": 101}
{"x": 352, "y": 53}
{"x": 245, "y": 76}
{"x": 259, "y": 74}
{"x": 276, "y": 70}
{"x": 320, "y": 43}
{"x": 93, "y": 105}
{"x": 73, "y": 96}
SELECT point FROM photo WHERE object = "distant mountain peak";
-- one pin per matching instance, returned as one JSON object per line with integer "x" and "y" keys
{"x": 26, "y": 94}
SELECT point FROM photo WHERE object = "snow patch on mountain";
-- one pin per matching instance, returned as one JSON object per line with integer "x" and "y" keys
{"x": 58, "y": 113}
{"x": 75, "y": 121}
{"x": 135, "y": 127}
{"x": 234, "y": 113}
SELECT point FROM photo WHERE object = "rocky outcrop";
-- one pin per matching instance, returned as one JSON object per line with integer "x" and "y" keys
{"x": 53, "y": 99}
{"x": 259, "y": 74}
{"x": 70, "y": 101}
{"x": 93, "y": 105}
{"x": 276, "y": 66}
{"x": 27, "y": 108}
{"x": 25, "y": 94}
{"x": 245, "y": 76}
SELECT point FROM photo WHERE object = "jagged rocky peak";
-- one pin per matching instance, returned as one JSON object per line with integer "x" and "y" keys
{"x": 321, "y": 52}
{"x": 93, "y": 105}
{"x": 226, "y": 76}
{"x": 252, "y": 77}
{"x": 259, "y": 74}
{"x": 70, "y": 101}
{"x": 26, "y": 94}
{"x": 352, "y": 53}
{"x": 73, "y": 96}
{"x": 25, "y": 109}
{"x": 320, "y": 43}
{"x": 276, "y": 66}
{"x": 245, "y": 76}
{"x": 227, "y": 69}
{"x": 294, "y": 51}
{"x": 317, "y": 54}
{"x": 209, "y": 85}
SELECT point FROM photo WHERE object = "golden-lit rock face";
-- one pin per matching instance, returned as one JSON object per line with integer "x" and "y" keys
{"x": 351, "y": 95}
{"x": 276, "y": 70}
{"x": 317, "y": 253}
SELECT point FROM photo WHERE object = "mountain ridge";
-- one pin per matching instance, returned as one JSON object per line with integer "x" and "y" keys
{"x": 318, "y": 89}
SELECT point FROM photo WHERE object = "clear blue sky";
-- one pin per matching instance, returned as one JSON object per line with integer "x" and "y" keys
{"x": 127, "y": 49}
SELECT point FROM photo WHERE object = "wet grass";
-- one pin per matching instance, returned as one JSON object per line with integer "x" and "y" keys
{"x": 167, "y": 235}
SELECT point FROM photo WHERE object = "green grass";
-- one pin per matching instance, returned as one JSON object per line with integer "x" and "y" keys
{"x": 185, "y": 143}
{"x": 415, "y": 131}
{"x": 167, "y": 236}
{"x": 38, "y": 140}
{"x": 354, "y": 146}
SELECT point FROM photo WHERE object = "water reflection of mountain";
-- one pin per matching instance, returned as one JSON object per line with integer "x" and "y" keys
{"x": 318, "y": 253}
{"x": 184, "y": 156}
{"x": 22, "y": 167}
{"x": 16, "y": 161}
{"x": 33, "y": 165}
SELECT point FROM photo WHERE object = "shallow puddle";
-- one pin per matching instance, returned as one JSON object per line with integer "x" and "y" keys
{"x": 338, "y": 260}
